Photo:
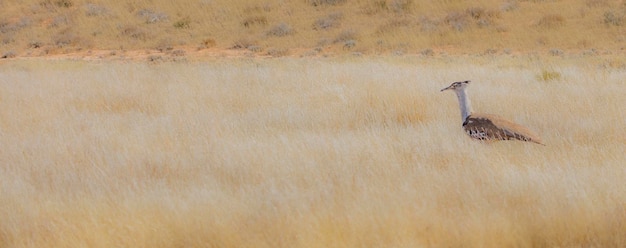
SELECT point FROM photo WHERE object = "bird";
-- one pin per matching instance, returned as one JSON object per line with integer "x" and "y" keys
{"x": 488, "y": 127}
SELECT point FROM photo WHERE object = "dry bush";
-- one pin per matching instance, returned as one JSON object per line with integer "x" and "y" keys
{"x": 244, "y": 43}
{"x": 9, "y": 54}
{"x": 151, "y": 16}
{"x": 483, "y": 17}
{"x": 614, "y": 18}
{"x": 346, "y": 35}
{"x": 551, "y": 21}
{"x": 183, "y": 23}
{"x": 13, "y": 26}
{"x": 428, "y": 24}
{"x": 96, "y": 10}
{"x": 134, "y": 32}
{"x": 325, "y": 2}
{"x": 393, "y": 6}
{"x": 459, "y": 21}
{"x": 277, "y": 52}
{"x": 556, "y": 52}
{"x": 509, "y": 5}
{"x": 208, "y": 43}
{"x": 332, "y": 20}
{"x": 427, "y": 52}
{"x": 279, "y": 30}
{"x": 254, "y": 20}
{"x": 57, "y": 3}
{"x": 165, "y": 45}
{"x": 66, "y": 37}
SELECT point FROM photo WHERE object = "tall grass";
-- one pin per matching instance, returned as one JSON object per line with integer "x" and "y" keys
{"x": 307, "y": 153}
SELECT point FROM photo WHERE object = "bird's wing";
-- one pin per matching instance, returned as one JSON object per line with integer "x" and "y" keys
{"x": 496, "y": 127}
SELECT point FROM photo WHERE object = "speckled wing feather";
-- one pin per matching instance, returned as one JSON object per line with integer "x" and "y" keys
{"x": 493, "y": 127}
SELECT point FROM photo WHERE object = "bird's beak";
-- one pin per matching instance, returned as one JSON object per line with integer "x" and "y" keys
{"x": 446, "y": 88}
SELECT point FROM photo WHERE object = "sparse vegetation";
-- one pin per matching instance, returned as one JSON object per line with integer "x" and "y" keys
{"x": 346, "y": 35}
{"x": 330, "y": 21}
{"x": 413, "y": 23}
{"x": 281, "y": 29}
{"x": 459, "y": 21}
{"x": 150, "y": 16}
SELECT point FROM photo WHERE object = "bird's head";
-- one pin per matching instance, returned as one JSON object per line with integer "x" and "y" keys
{"x": 457, "y": 86}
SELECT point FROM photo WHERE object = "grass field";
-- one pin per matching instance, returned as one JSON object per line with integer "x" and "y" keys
{"x": 342, "y": 152}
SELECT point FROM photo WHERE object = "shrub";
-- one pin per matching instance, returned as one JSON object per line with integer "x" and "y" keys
{"x": 280, "y": 30}
{"x": 134, "y": 32}
{"x": 179, "y": 53}
{"x": 183, "y": 23}
{"x": 349, "y": 44}
{"x": 9, "y": 54}
{"x": 427, "y": 52}
{"x": 277, "y": 52}
{"x": 556, "y": 52}
{"x": 207, "y": 43}
{"x": 243, "y": 43}
{"x": 509, "y": 5}
{"x": 613, "y": 18}
{"x": 490, "y": 51}
{"x": 35, "y": 44}
{"x": 254, "y": 20}
{"x": 457, "y": 20}
{"x": 151, "y": 16}
{"x": 330, "y": 21}
{"x": 428, "y": 24}
{"x": 65, "y": 38}
{"x": 549, "y": 75}
{"x": 95, "y": 10}
{"x": 64, "y": 3}
{"x": 7, "y": 26}
{"x": 551, "y": 20}
{"x": 344, "y": 36}
{"x": 325, "y": 2}
{"x": 165, "y": 45}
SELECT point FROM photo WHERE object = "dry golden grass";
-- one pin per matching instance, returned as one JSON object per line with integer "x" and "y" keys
{"x": 44, "y": 27}
{"x": 289, "y": 152}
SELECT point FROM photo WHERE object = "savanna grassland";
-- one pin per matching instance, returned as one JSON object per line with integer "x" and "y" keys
{"x": 310, "y": 123}
{"x": 291, "y": 152}
{"x": 311, "y": 27}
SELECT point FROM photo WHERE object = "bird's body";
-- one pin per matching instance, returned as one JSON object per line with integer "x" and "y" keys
{"x": 487, "y": 126}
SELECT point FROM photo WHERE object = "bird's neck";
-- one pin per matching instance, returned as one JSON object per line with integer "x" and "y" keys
{"x": 464, "y": 103}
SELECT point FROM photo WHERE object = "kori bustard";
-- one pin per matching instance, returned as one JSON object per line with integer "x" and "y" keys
{"x": 486, "y": 126}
